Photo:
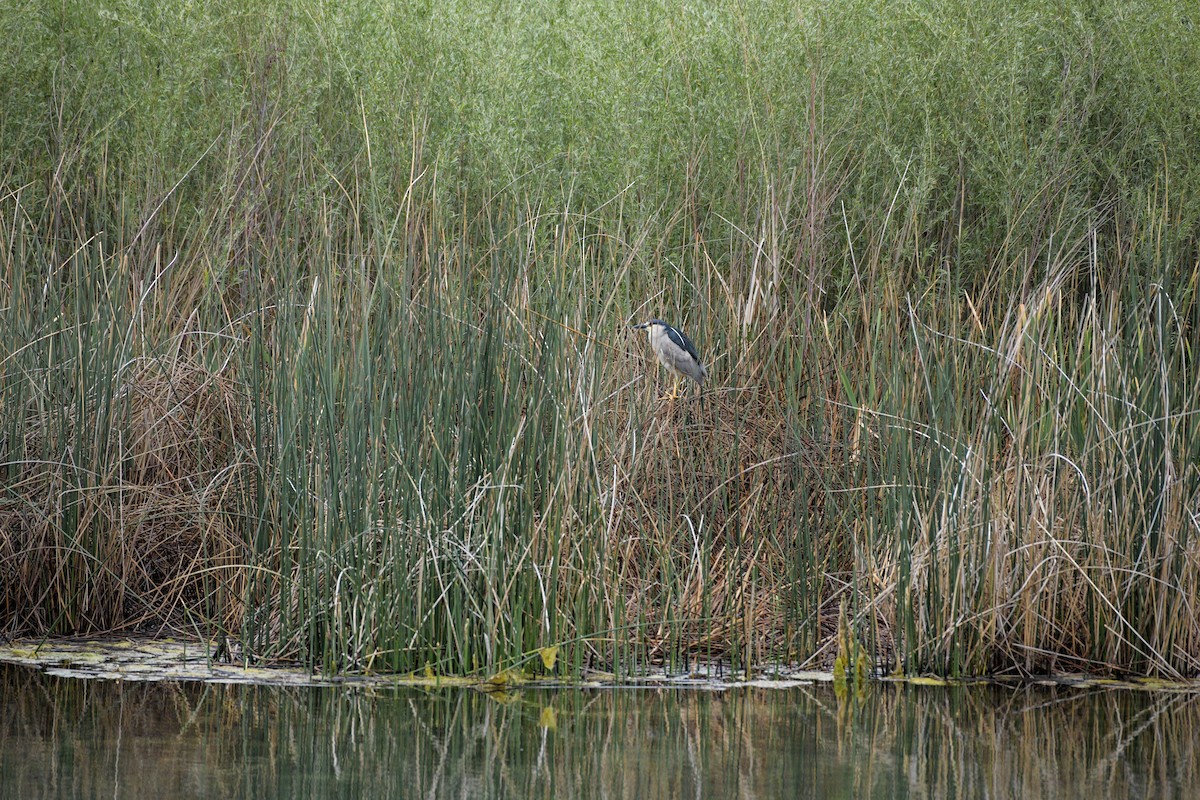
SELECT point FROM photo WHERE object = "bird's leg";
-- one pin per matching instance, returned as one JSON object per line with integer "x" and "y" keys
{"x": 674, "y": 393}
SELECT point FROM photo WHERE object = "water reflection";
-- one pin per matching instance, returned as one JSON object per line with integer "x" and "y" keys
{"x": 63, "y": 738}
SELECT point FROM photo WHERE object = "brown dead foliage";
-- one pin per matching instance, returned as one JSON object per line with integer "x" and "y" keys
{"x": 710, "y": 489}
{"x": 130, "y": 524}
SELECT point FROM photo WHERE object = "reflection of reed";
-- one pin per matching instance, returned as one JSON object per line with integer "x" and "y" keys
{"x": 71, "y": 738}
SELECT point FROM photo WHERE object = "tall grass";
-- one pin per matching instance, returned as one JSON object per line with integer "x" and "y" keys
{"x": 314, "y": 334}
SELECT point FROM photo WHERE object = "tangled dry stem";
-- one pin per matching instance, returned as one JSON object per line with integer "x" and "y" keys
{"x": 711, "y": 492}
{"x": 159, "y": 540}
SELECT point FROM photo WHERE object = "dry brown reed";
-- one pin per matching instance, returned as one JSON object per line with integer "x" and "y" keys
{"x": 160, "y": 542}
{"x": 707, "y": 492}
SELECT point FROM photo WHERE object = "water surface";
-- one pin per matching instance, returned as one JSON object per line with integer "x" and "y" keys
{"x": 70, "y": 738}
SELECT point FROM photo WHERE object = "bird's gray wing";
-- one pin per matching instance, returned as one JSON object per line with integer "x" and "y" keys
{"x": 681, "y": 339}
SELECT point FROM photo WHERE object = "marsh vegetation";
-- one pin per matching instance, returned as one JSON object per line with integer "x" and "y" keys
{"x": 313, "y": 331}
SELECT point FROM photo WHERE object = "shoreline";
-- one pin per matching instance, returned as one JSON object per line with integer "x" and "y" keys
{"x": 151, "y": 659}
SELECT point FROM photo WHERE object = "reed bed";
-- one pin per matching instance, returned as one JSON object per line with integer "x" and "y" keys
{"x": 313, "y": 334}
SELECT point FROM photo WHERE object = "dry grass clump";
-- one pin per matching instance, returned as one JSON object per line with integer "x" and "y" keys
{"x": 134, "y": 523}
{"x": 709, "y": 497}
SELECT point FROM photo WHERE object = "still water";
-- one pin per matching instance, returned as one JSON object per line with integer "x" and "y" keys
{"x": 72, "y": 738}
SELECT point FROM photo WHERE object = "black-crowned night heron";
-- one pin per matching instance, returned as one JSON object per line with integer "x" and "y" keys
{"x": 675, "y": 351}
